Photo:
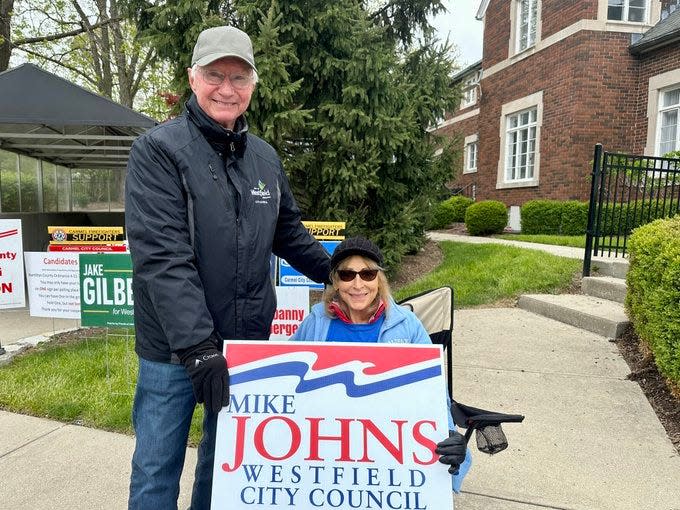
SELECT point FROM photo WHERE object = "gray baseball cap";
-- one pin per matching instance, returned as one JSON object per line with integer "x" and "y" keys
{"x": 219, "y": 42}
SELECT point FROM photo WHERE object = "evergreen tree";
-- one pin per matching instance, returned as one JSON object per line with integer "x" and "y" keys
{"x": 346, "y": 97}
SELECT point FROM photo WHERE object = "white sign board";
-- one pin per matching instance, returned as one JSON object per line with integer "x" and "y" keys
{"x": 53, "y": 284}
{"x": 330, "y": 425}
{"x": 292, "y": 306}
{"x": 12, "y": 292}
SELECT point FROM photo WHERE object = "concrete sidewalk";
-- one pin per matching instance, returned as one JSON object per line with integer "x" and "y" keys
{"x": 590, "y": 439}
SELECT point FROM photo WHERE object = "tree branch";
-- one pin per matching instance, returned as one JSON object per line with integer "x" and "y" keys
{"x": 77, "y": 71}
{"x": 55, "y": 37}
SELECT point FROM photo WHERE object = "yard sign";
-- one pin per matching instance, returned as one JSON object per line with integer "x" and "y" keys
{"x": 327, "y": 425}
{"x": 106, "y": 298}
{"x": 12, "y": 292}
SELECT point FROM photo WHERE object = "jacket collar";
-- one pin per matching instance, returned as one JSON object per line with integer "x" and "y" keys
{"x": 340, "y": 311}
{"x": 222, "y": 140}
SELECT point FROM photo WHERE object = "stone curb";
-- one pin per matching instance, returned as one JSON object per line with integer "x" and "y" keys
{"x": 15, "y": 348}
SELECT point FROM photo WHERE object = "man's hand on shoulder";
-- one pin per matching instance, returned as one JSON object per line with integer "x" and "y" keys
{"x": 209, "y": 374}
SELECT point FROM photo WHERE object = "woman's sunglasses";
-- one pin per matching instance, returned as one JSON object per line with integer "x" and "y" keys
{"x": 348, "y": 275}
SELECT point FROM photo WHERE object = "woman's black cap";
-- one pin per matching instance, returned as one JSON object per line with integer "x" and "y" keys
{"x": 356, "y": 246}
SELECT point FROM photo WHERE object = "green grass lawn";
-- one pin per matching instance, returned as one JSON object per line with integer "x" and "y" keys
{"x": 91, "y": 381}
{"x": 485, "y": 273}
{"x": 574, "y": 241}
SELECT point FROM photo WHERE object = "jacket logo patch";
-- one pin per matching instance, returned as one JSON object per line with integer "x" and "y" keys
{"x": 261, "y": 193}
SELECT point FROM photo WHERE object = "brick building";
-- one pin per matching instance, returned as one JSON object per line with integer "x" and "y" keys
{"x": 557, "y": 77}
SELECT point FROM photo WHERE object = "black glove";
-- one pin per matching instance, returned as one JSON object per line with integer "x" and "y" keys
{"x": 452, "y": 451}
{"x": 209, "y": 375}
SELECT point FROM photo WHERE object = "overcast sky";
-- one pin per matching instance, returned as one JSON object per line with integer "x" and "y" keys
{"x": 463, "y": 29}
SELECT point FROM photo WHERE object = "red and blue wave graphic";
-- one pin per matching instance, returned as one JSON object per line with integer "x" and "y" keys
{"x": 362, "y": 370}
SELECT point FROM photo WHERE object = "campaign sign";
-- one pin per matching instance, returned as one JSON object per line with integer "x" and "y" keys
{"x": 106, "y": 298}
{"x": 12, "y": 292}
{"x": 86, "y": 239}
{"x": 289, "y": 276}
{"x": 292, "y": 306}
{"x": 53, "y": 284}
{"x": 332, "y": 425}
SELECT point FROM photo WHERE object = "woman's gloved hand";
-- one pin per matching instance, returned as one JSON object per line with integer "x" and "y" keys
{"x": 452, "y": 451}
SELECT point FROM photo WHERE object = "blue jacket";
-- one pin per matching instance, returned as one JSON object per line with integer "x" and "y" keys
{"x": 400, "y": 326}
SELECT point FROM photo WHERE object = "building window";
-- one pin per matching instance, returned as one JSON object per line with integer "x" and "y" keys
{"x": 669, "y": 113}
{"x": 627, "y": 10}
{"x": 470, "y": 156}
{"x": 527, "y": 14}
{"x": 668, "y": 7}
{"x": 519, "y": 158}
{"x": 520, "y": 149}
{"x": 469, "y": 91}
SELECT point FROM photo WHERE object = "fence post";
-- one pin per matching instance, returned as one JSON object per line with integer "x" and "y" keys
{"x": 597, "y": 158}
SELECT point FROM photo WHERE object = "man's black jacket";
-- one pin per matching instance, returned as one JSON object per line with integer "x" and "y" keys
{"x": 204, "y": 210}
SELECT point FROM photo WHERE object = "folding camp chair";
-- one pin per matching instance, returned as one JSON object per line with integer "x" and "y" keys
{"x": 434, "y": 308}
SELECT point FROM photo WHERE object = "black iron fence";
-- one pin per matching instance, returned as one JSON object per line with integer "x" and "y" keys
{"x": 626, "y": 192}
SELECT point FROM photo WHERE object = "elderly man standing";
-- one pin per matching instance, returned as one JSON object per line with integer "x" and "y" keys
{"x": 206, "y": 205}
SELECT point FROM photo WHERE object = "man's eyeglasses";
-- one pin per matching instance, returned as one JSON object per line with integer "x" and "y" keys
{"x": 348, "y": 275}
{"x": 237, "y": 81}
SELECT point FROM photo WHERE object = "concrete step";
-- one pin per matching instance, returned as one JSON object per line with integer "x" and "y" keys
{"x": 609, "y": 267}
{"x": 597, "y": 315}
{"x": 605, "y": 287}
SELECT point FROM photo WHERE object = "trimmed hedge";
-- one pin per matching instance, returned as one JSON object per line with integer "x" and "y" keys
{"x": 486, "y": 217}
{"x": 449, "y": 211}
{"x": 623, "y": 218}
{"x": 570, "y": 218}
{"x": 653, "y": 299}
{"x": 554, "y": 217}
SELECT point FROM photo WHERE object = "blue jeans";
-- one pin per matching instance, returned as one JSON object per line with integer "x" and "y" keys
{"x": 161, "y": 416}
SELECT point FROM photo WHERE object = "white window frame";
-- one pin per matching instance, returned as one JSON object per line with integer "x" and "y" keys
{"x": 469, "y": 92}
{"x": 658, "y": 84}
{"x": 531, "y": 36}
{"x": 471, "y": 154}
{"x": 626, "y": 13}
{"x": 663, "y": 109}
{"x": 514, "y": 108}
{"x": 521, "y": 136}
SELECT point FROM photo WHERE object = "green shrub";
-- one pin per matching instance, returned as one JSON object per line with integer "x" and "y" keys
{"x": 653, "y": 298}
{"x": 449, "y": 211}
{"x": 460, "y": 204}
{"x": 574, "y": 218}
{"x": 621, "y": 218}
{"x": 554, "y": 217}
{"x": 540, "y": 217}
{"x": 486, "y": 217}
{"x": 442, "y": 215}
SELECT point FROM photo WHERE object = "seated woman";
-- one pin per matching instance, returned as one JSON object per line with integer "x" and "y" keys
{"x": 358, "y": 307}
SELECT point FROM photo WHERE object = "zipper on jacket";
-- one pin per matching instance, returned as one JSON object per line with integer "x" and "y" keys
{"x": 237, "y": 208}
{"x": 235, "y": 196}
